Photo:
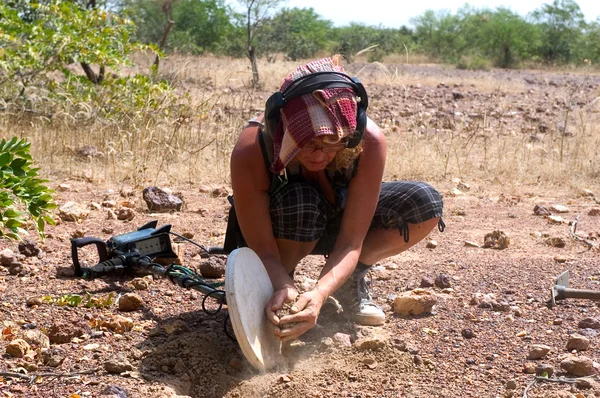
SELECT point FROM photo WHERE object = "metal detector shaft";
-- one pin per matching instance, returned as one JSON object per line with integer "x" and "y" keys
{"x": 565, "y": 293}
{"x": 561, "y": 291}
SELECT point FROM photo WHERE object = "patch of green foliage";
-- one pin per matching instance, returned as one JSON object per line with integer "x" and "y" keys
{"x": 23, "y": 194}
{"x": 74, "y": 300}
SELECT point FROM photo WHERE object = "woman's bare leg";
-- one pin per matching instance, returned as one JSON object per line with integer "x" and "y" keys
{"x": 383, "y": 243}
{"x": 291, "y": 252}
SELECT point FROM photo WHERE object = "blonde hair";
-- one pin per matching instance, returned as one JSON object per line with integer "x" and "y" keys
{"x": 345, "y": 158}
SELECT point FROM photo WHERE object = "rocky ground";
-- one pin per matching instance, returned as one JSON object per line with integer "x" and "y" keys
{"x": 467, "y": 309}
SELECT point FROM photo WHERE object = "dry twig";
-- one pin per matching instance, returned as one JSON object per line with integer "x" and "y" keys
{"x": 573, "y": 235}
{"x": 33, "y": 377}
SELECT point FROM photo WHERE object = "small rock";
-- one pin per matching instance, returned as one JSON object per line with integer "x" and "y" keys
{"x": 587, "y": 192}
{"x": 29, "y": 248}
{"x": 538, "y": 351}
{"x": 417, "y": 360}
{"x": 589, "y": 323}
{"x": 539, "y": 210}
{"x": 467, "y": 333}
{"x": 443, "y": 281}
{"x": 219, "y": 192}
{"x": 117, "y": 364}
{"x": 7, "y": 257}
{"x": 17, "y": 348}
{"x": 64, "y": 187}
{"x": 511, "y": 385}
{"x": 125, "y": 214}
{"x": 496, "y": 240}
{"x": 114, "y": 392}
{"x": 18, "y": 269}
{"x": 53, "y": 357}
{"x": 559, "y": 208}
{"x": 63, "y": 332}
{"x": 471, "y": 244}
{"x": 544, "y": 368}
{"x": 31, "y": 301}
{"x": 213, "y": 268}
{"x": 109, "y": 204}
{"x": 578, "y": 342}
{"x": 594, "y": 212}
{"x": 73, "y": 212}
{"x": 584, "y": 383}
{"x": 529, "y": 368}
{"x": 426, "y": 281}
{"x": 130, "y": 302}
{"x": 36, "y": 338}
{"x": 342, "y": 339}
{"x": 578, "y": 366}
{"x": 555, "y": 220}
{"x": 158, "y": 200}
{"x": 118, "y": 323}
{"x": 414, "y": 302}
{"x": 432, "y": 244}
{"x": 141, "y": 283}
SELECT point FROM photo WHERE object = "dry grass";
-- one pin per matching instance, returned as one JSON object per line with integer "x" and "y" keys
{"x": 194, "y": 146}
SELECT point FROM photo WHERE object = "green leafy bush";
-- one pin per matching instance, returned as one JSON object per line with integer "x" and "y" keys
{"x": 22, "y": 193}
{"x": 474, "y": 63}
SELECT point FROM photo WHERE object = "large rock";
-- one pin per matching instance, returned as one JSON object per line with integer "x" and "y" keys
{"x": 37, "y": 338}
{"x": 17, "y": 348}
{"x": 63, "y": 332}
{"x": 29, "y": 248}
{"x": 213, "y": 268}
{"x": 578, "y": 366}
{"x": 414, "y": 302}
{"x": 7, "y": 257}
{"x": 72, "y": 211}
{"x": 161, "y": 201}
{"x": 130, "y": 302}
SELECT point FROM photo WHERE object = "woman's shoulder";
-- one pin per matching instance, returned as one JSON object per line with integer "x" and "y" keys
{"x": 247, "y": 150}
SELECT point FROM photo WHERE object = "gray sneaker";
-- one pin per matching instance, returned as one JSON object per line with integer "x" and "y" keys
{"x": 356, "y": 300}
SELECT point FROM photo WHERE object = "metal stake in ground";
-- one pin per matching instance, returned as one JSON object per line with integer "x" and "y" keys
{"x": 561, "y": 291}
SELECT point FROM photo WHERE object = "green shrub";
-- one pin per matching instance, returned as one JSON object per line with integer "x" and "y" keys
{"x": 22, "y": 193}
{"x": 474, "y": 63}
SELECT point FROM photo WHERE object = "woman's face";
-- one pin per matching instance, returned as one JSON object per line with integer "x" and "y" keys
{"x": 316, "y": 155}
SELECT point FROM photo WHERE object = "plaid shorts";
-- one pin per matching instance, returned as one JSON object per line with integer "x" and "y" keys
{"x": 301, "y": 213}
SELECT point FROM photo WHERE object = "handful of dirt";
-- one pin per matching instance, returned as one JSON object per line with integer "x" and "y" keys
{"x": 285, "y": 310}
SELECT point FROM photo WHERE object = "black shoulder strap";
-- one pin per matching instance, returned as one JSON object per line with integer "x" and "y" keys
{"x": 277, "y": 181}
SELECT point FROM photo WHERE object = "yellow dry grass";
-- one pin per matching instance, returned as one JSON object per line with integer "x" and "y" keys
{"x": 194, "y": 148}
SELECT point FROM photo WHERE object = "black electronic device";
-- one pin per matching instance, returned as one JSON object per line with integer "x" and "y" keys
{"x": 147, "y": 243}
{"x": 318, "y": 81}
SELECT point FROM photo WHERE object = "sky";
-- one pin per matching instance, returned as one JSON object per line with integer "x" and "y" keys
{"x": 395, "y": 13}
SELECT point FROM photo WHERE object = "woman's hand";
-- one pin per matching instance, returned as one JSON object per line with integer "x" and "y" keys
{"x": 304, "y": 315}
{"x": 286, "y": 294}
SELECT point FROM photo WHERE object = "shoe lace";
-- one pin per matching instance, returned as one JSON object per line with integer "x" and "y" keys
{"x": 363, "y": 287}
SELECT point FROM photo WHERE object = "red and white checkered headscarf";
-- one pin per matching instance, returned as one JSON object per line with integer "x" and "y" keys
{"x": 328, "y": 113}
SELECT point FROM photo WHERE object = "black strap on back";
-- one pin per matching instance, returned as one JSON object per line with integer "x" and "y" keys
{"x": 278, "y": 181}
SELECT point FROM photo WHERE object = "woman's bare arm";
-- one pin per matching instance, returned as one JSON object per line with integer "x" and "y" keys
{"x": 250, "y": 183}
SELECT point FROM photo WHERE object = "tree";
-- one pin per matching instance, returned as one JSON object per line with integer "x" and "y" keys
{"x": 198, "y": 26}
{"x": 501, "y": 35}
{"x": 37, "y": 39}
{"x": 297, "y": 32}
{"x": 440, "y": 34}
{"x": 561, "y": 24}
{"x": 256, "y": 13}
